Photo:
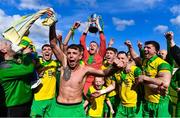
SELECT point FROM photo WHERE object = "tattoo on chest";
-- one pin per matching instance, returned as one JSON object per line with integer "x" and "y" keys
{"x": 67, "y": 73}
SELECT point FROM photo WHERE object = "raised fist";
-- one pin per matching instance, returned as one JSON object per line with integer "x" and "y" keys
{"x": 128, "y": 43}
{"x": 111, "y": 42}
{"x": 169, "y": 35}
{"x": 76, "y": 24}
{"x": 118, "y": 63}
{"x": 59, "y": 37}
{"x": 140, "y": 45}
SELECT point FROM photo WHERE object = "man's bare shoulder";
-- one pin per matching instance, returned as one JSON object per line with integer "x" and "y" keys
{"x": 87, "y": 68}
{"x": 84, "y": 67}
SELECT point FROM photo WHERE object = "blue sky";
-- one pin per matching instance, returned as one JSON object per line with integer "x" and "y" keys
{"x": 123, "y": 19}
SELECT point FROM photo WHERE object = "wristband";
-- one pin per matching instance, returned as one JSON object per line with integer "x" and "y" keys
{"x": 84, "y": 33}
{"x": 72, "y": 29}
{"x": 100, "y": 32}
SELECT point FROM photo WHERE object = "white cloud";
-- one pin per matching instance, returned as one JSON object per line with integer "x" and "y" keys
{"x": 150, "y": 3}
{"x": 82, "y": 26}
{"x": 161, "y": 28}
{"x": 127, "y": 5}
{"x": 91, "y": 3}
{"x": 142, "y": 4}
{"x": 175, "y": 21}
{"x": 5, "y": 20}
{"x": 175, "y": 9}
{"x": 31, "y": 4}
{"x": 122, "y": 24}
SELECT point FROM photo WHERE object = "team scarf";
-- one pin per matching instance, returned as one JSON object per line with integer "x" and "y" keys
{"x": 17, "y": 30}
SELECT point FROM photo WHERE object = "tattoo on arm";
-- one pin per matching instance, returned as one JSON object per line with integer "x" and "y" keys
{"x": 67, "y": 73}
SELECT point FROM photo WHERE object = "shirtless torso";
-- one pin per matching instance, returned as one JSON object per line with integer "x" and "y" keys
{"x": 70, "y": 91}
{"x": 72, "y": 73}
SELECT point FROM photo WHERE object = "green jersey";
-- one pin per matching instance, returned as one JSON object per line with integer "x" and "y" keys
{"x": 15, "y": 88}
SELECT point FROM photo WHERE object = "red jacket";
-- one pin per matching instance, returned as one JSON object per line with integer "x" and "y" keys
{"x": 98, "y": 57}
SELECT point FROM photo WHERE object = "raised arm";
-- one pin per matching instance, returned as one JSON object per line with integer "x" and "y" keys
{"x": 111, "y": 42}
{"x": 134, "y": 55}
{"x": 174, "y": 50}
{"x": 70, "y": 34}
{"x": 102, "y": 49}
{"x": 83, "y": 41}
{"x": 35, "y": 16}
{"x": 59, "y": 38}
{"x": 56, "y": 49}
{"x": 141, "y": 50}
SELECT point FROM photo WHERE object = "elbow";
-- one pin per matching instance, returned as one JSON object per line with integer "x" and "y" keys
{"x": 53, "y": 43}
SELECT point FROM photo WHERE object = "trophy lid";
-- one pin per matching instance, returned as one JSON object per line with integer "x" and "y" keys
{"x": 94, "y": 15}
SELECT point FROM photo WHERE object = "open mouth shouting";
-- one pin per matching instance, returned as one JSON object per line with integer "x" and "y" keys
{"x": 47, "y": 56}
{"x": 72, "y": 63}
{"x": 146, "y": 53}
{"x": 92, "y": 50}
{"x": 108, "y": 58}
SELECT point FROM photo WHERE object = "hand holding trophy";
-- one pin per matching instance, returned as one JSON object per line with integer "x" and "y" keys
{"x": 94, "y": 23}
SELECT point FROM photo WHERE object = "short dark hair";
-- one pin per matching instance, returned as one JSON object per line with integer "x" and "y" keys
{"x": 154, "y": 43}
{"x": 46, "y": 45}
{"x": 122, "y": 52}
{"x": 81, "y": 47}
{"x": 112, "y": 49}
{"x": 76, "y": 47}
{"x": 94, "y": 42}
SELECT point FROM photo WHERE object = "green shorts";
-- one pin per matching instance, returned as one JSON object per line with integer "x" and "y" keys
{"x": 139, "y": 109}
{"x": 178, "y": 109}
{"x": 124, "y": 111}
{"x": 66, "y": 110}
{"x": 40, "y": 107}
{"x": 160, "y": 109}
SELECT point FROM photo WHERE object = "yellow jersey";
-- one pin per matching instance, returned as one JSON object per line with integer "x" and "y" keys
{"x": 128, "y": 95}
{"x": 97, "y": 104}
{"x": 48, "y": 81}
{"x": 151, "y": 68}
{"x": 109, "y": 81}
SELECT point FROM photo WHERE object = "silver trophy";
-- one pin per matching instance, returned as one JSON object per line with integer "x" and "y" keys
{"x": 93, "y": 27}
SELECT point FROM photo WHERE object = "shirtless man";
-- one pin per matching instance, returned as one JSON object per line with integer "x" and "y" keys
{"x": 69, "y": 100}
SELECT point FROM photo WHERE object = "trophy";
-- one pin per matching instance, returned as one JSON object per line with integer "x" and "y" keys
{"x": 93, "y": 28}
